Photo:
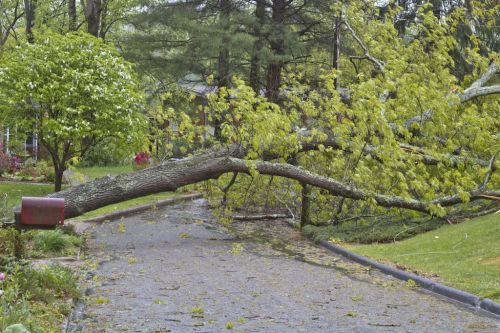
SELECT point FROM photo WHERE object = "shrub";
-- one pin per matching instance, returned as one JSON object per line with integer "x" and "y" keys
{"x": 141, "y": 160}
{"x": 49, "y": 283}
{"x": 106, "y": 154}
{"x": 15, "y": 163}
{"x": 41, "y": 171}
{"x": 45, "y": 170}
{"x": 5, "y": 165}
{"x": 12, "y": 244}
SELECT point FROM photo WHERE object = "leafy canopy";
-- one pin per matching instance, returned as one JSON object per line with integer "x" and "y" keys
{"x": 371, "y": 129}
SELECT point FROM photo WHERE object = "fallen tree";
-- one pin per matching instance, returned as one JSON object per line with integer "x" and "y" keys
{"x": 174, "y": 174}
{"x": 409, "y": 137}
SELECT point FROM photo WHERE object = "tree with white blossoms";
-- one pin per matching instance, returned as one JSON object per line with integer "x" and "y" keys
{"x": 73, "y": 91}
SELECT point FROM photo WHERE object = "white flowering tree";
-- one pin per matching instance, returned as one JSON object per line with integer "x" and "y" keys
{"x": 73, "y": 91}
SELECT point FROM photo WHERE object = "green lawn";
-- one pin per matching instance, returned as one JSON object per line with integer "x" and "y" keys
{"x": 465, "y": 256}
{"x": 97, "y": 172}
{"x": 15, "y": 191}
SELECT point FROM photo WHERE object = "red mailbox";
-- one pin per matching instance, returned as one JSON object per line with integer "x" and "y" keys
{"x": 42, "y": 212}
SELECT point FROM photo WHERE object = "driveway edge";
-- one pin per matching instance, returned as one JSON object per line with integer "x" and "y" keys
{"x": 485, "y": 304}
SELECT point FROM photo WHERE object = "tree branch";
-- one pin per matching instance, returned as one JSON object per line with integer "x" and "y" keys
{"x": 425, "y": 158}
{"x": 5, "y": 36}
{"x": 476, "y": 89}
{"x": 379, "y": 63}
{"x": 471, "y": 93}
{"x": 491, "y": 168}
{"x": 175, "y": 174}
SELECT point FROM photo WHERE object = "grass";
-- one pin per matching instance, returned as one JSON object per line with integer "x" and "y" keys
{"x": 15, "y": 191}
{"x": 98, "y": 172}
{"x": 55, "y": 241}
{"x": 465, "y": 256}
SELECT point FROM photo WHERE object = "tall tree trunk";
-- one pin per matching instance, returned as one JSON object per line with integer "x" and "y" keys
{"x": 336, "y": 48}
{"x": 104, "y": 15}
{"x": 58, "y": 178}
{"x": 305, "y": 217}
{"x": 255, "y": 62}
{"x": 223, "y": 63}
{"x": 437, "y": 8}
{"x": 277, "y": 42}
{"x": 93, "y": 16}
{"x": 72, "y": 14}
{"x": 223, "y": 66}
{"x": 29, "y": 18}
{"x": 58, "y": 172}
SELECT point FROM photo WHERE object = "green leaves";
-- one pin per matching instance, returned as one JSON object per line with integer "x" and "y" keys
{"x": 72, "y": 89}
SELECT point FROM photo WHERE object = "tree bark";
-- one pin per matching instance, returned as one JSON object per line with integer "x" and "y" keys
{"x": 93, "y": 16}
{"x": 58, "y": 177}
{"x": 104, "y": 18}
{"x": 255, "y": 62}
{"x": 277, "y": 42}
{"x": 305, "y": 217}
{"x": 223, "y": 65}
{"x": 175, "y": 174}
{"x": 29, "y": 18}
{"x": 72, "y": 14}
{"x": 336, "y": 49}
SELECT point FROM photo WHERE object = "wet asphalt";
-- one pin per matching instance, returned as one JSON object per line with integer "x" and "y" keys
{"x": 176, "y": 270}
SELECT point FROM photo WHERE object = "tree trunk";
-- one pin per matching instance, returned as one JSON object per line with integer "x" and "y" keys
{"x": 58, "y": 180}
{"x": 104, "y": 15}
{"x": 93, "y": 16}
{"x": 223, "y": 75}
{"x": 336, "y": 49}
{"x": 72, "y": 14}
{"x": 305, "y": 217}
{"x": 29, "y": 19}
{"x": 211, "y": 165}
{"x": 255, "y": 62}
{"x": 277, "y": 42}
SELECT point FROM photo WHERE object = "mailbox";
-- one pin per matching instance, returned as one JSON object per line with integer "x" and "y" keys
{"x": 42, "y": 212}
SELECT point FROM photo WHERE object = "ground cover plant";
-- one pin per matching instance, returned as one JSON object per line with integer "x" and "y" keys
{"x": 465, "y": 255}
{"x": 39, "y": 299}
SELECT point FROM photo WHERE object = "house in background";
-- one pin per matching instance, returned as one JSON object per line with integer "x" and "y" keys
{"x": 27, "y": 148}
{"x": 197, "y": 85}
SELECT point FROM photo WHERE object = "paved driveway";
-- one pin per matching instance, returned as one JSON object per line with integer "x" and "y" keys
{"x": 174, "y": 270}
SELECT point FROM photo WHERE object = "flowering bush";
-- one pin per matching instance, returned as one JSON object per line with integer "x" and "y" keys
{"x": 141, "y": 160}
{"x": 15, "y": 163}
{"x": 4, "y": 163}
